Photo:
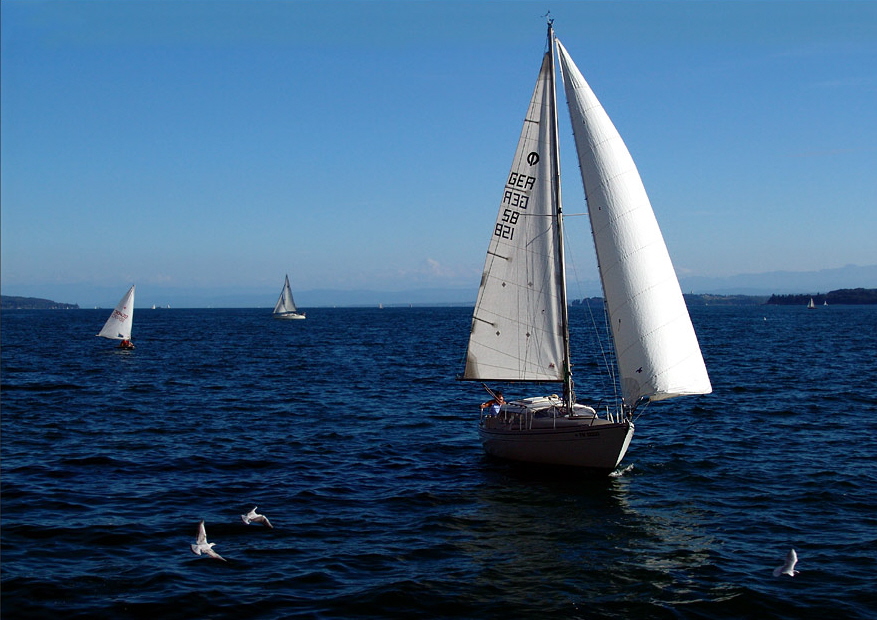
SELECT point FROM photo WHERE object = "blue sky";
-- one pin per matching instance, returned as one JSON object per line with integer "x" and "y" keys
{"x": 364, "y": 145}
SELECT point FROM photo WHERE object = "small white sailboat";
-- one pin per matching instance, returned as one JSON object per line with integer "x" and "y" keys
{"x": 520, "y": 326}
{"x": 285, "y": 308}
{"x": 811, "y": 305}
{"x": 118, "y": 326}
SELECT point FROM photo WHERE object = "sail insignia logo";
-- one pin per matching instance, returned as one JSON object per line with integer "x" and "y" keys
{"x": 533, "y": 158}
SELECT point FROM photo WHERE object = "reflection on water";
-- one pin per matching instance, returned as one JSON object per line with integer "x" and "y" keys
{"x": 563, "y": 537}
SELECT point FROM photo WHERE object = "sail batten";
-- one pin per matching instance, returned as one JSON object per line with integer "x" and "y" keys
{"x": 656, "y": 348}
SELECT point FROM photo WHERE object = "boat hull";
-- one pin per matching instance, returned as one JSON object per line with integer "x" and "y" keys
{"x": 291, "y": 315}
{"x": 593, "y": 444}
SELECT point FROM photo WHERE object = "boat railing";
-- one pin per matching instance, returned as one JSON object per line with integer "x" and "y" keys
{"x": 509, "y": 419}
{"x": 522, "y": 418}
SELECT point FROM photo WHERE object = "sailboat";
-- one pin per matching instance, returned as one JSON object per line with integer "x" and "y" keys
{"x": 811, "y": 305}
{"x": 520, "y": 325}
{"x": 285, "y": 308}
{"x": 118, "y": 326}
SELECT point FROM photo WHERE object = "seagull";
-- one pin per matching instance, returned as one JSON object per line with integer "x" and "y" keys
{"x": 252, "y": 517}
{"x": 788, "y": 567}
{"x": 202, "y": 546}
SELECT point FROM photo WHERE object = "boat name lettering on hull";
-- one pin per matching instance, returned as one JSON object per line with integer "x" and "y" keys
{"x": 588, "y": 434}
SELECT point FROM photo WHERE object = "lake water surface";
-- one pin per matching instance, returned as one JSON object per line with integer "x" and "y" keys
{"x": 350, "y": 432}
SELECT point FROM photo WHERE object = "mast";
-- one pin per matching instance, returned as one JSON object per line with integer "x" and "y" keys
{"x": 569, "y": 397}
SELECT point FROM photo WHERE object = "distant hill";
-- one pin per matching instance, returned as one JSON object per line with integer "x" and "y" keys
{"x": 8, "y": 302}
{"x": 844, "y": 296}
{"x": 783, "y": 282}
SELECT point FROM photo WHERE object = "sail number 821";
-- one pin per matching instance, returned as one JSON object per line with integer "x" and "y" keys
{"x": 505, "y": 228}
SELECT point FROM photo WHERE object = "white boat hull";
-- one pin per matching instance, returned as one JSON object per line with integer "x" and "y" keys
{"x": 584, "y": 441}
{"x": 291, "y": 315}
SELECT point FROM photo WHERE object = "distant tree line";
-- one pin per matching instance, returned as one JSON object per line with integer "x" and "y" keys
{"x": 692, "y": 300}
{"x": 844, "y": 296}
{"x": 9, "y": 302}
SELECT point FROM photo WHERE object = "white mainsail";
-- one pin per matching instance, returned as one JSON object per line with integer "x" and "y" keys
{"x": 118, "y": 326}
{"x": 657, "y": 351}
{"x": 517, "y": 332}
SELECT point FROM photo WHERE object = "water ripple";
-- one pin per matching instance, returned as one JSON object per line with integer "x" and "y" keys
{"x": 350, "y": 432}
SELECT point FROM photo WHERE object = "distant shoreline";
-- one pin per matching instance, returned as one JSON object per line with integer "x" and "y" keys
{"x": 844, "y": 297}
{"x": 9, "y": 302}
{"x": 840, "y": 297}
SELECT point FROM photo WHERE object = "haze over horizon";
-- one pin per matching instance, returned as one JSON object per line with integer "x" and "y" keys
{"x": 757, "y": 284}
{"x": 211, "y": 148}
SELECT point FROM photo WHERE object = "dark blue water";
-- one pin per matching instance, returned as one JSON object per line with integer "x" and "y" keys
{"x": 349, "y": 431}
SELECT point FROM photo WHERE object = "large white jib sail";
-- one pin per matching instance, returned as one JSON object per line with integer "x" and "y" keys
{"x": 517, "y": 332}
{"x": 656, "y": 348}
{"x": 118, "y": 326}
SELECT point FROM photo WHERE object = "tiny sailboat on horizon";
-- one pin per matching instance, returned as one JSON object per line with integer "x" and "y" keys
{"x": 520, "y": 325}
{"x": 121, "y": 321}
{"x": 285, "y": 308}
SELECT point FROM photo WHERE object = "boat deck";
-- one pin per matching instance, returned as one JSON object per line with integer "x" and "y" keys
{"x": 543, "y": 412}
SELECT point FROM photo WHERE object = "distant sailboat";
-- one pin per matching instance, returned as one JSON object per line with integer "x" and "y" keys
{"x": 520, "y": 326}
{"x": 285, "y": 308}
{"x": 118, "y": 326}
{"x": 811, "y": 305}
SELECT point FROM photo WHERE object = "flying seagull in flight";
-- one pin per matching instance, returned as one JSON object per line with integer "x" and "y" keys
{"x": 252, "y": 517}
{"x": 202, "y": 546}
{"x": 788, "y": 567}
